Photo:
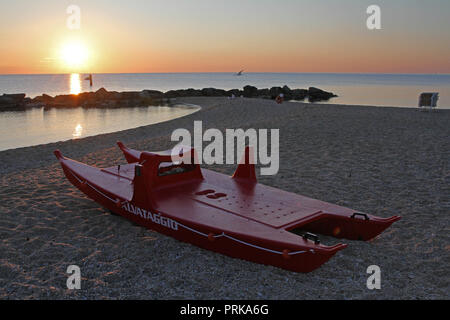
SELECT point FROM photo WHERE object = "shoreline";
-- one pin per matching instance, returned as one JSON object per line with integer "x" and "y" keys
{"x": 381, "y": 160}
{"x": 181, "y": 104}
{"x": 55, "y": 135}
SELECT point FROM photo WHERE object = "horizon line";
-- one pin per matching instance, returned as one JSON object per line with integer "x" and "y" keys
{"x": 226, "y": 72}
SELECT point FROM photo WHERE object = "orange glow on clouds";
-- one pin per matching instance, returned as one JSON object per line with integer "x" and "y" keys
{"x": 120, "y": 38}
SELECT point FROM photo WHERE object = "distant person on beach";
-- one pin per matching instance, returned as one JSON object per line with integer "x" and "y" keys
{"x": 280, "y": 98}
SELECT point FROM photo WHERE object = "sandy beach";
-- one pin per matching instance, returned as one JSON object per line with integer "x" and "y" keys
{"x": 380, "y": 160}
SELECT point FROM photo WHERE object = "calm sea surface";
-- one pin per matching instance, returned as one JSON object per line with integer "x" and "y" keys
{"x": 363, "y": 89}
{"x": 38, "y": 126}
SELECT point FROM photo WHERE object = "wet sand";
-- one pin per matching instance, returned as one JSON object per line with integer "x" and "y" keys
{"x": 384, "y": 161}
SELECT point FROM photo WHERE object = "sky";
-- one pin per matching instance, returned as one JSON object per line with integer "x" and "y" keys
{"x": 130, "y": 36}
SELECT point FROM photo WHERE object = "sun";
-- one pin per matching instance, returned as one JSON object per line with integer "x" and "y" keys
{"x": 74, "y": 54}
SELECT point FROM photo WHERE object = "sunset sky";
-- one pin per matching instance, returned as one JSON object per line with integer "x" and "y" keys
{"x": 119, "y": 36}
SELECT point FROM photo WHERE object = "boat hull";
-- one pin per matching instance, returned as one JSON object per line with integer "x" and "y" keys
{"x": 235, "y": 216}
{"x": 300, "y": 259}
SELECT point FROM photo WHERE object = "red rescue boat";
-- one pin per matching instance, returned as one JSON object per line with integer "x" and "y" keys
{"x": 234, "y": 216}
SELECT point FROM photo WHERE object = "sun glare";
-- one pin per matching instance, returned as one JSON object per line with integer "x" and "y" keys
{"x": 74, "y": 55}
{"x": 75, "y": 83}
{"x": 78, "y": 131}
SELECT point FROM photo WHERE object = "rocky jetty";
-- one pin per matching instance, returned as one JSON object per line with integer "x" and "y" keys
{"x": 13, "y": 100}
{"x": 110, "y": 99}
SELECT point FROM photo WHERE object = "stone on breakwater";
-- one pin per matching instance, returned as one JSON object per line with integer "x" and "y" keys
{"x": 151, "y": 94}
{"x": 264, "y": 93}
{"x": 250, "y": 91}
{"x": 315, "y": 94}
{"x": 213, "y": 92}
{"x": 275, "y": 92}
{"x": 42, "y": 99}
{"x": 299, "y": 94}
{"x": 236, "y": 92}
{"x": 17, "y": 98}
{"x": 12, "y": 100}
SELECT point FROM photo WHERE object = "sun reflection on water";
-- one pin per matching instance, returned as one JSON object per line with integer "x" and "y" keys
{"x": 78, "y": 131}
{"x": 75, "y": 83}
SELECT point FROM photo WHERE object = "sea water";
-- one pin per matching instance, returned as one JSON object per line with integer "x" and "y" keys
{"x": 40, "y": 125}
{"x": 397, "y": 90}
